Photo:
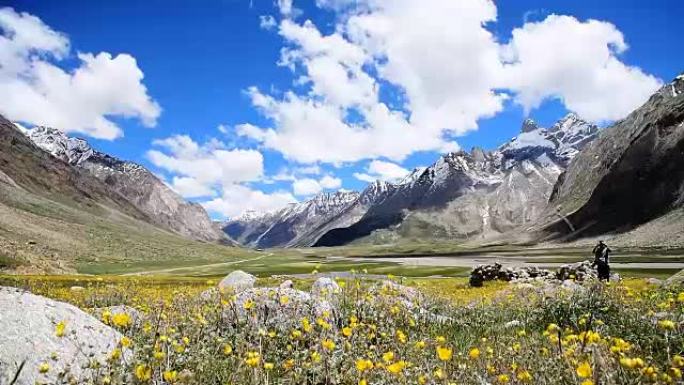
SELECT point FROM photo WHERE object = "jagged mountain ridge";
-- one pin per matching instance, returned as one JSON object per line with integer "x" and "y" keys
{"x": 141, "y": 187}
{"x": 465, "y": 194}
{"x": 299, "y": 223}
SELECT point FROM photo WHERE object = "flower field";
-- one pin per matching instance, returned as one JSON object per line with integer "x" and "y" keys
{"x": 622, "y": 333}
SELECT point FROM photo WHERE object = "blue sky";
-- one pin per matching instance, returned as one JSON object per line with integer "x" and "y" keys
{"x": 199, "y": 63}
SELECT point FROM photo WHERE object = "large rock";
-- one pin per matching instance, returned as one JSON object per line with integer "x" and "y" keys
{"x": 236, "y": 282}
{"x": 677, "y": 279}
{"x": 28, "y": 334}
{"x": 325, "y": 287}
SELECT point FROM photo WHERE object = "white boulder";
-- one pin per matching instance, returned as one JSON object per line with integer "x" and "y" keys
{"x": 237, "y": 282}
{"x": 30, "y": 334}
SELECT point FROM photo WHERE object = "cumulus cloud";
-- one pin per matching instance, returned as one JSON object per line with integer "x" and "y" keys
{"x": 576, "y": 62}
{"x": 381, "y": 170}
{"x": 80, "y": 100}
{"x": 205, "y": 168}
{"x": 445, "y": 73}
{"x": 237, "y": 199}
{"x": 309, "y": 186}
{"x": 189, "y": 187}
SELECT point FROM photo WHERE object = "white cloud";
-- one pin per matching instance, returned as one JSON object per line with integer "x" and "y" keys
{"x": 189, "y": 187}
{"x": 576, "y": 62}
{"x": 309, "y": 186}
{"x": 207, "y": 166}
{"x": 306, "y": 187}
{"x": 237, "y": 198}
{"x": 447, "y": 71}
{"x": 330, "y": 182}
{"x": 81, "y": 100}
{"x": 267, "y": 22}
{"x": 381, "y": 170}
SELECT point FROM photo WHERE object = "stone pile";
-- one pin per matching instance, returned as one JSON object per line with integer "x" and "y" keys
{"x": 579, "y": 271}
{"x": 496, "y": 271}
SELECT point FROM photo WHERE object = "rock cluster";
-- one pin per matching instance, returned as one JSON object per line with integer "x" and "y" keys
{"x": 579, "y": 271}
{"x": 496, "y": 271}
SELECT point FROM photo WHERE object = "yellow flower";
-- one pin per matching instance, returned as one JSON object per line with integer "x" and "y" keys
{"x": 388, "y": 357}
{"x": 444, "y": 354}
{"x": 247, "y": 305}
{"x": 288, "y": 364}
{"x": 268, "y": 365}
{"x": 362, "y": 365}
{"x": 125, "y": 342}
{"x": 363, "y": 382}
{"x": 170, "y": 376}
{"x": 524, "y": 376}
{"x": 328, "y": 344}
{"x": 396, "y": 367}
{"x": 441, "y": 340}
{"x": 315, "y": 356}
{"x": 584, "y": 370}
{"x": 474, "y": 353}
{"x": 401, "y": 336}
{"x": 628, "y": 363}
{"x": 284, "y": 300}
{"x": 346, "y": 331}
{"x": 44, "y": 367}
{"x": 502, "y": 378}
{"x": 666, "y": 324}
{"x": 122, "y": 320}
{"x": 676, "y": 373}
{"x": 678, "y": 361}
{"x": 227, "y": 350}
{"x": 587, "y": 382}
{"x": 115, "y": 355}
{"x": 420, "y": 344}
{"x": 59, "y": 329}
{"x": 253, "y": 359}
{"x": 143, "y": 373}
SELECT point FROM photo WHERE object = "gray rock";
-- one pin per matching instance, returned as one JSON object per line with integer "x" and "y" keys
{"x": 236, "y": 282}
{"x": 654, "y": 281}
{"x": 287, "y": 284}
{"x": 325, "y": 287}
{"x": 28, "y": 323}
{"x": 676, "y": 280}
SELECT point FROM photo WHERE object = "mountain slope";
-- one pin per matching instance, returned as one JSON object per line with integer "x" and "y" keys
{"x": 633, "y": 173}
{"x": 478, "y": 193}
{"x": 143, "y": 189}
{"x": 59, "y": 218}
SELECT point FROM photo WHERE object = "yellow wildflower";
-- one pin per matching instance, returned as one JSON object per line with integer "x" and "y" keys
{"x": 143, "y": 373}
{"x": 170, "y": 376}
{"x": 328, "y": 344}
{"x": 396, "y": 367}
{"x": 474, "y": 353}
{"x": 584, "y": 370}
{"x": 444, "y": 354}
{"x": 59, "y": 329}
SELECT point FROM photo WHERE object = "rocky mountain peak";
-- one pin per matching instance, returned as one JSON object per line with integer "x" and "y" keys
{"x": 528, "y": 125}
{"x": 71, "y": 150}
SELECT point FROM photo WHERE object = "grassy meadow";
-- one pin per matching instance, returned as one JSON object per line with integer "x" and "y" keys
{"x": 621, "y": 333}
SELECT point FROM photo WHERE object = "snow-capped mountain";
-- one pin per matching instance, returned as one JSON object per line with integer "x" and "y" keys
{"x": 477, "y": 193}
{"x": 461, "y": 195}
{"x": 293, "y": 224}
{"x": 134, "y": 182}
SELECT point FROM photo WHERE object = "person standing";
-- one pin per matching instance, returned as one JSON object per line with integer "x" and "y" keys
{"x": 601, "y": 260}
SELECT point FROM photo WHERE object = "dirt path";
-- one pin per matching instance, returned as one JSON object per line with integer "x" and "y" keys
{"x": 211, "y": 265}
